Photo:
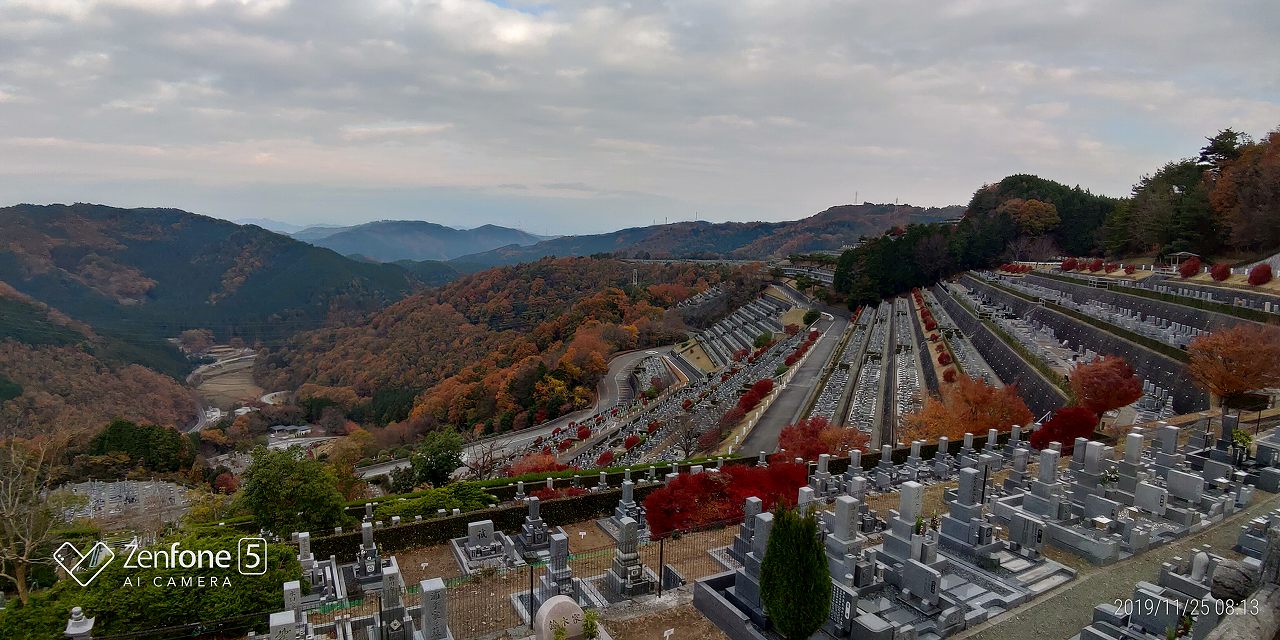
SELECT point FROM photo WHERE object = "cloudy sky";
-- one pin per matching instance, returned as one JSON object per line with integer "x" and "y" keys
{"x": 573, "y": 116}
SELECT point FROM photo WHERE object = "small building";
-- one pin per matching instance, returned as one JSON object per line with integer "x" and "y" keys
{"x": 290, "y": 430}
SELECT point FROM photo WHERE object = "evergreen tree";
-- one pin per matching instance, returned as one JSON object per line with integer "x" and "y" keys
{"x": 286, "y": 492}
{"x": 795, "y": 584}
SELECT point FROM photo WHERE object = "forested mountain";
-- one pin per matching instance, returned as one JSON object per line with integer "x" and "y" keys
{"x": 58, "y": 375}
{"x": 1079, "y": 213}
{"x": 146, "y": 274}
{"x": 828, "y": 229}
{"x": 500, "y": 349}
{"x": 392, "y": 240}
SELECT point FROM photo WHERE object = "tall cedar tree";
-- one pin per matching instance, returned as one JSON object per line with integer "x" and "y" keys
{"x": 1236, "y": 360}
{"x": 1105, "y": 384}
{"x": 795, "y": 584}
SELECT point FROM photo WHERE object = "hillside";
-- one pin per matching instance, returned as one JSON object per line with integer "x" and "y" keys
{"x": 58, "y": 375}
{"x": 503, "y": 348}
{"x": 146, "y": 274}
{"x": 828, "y": 229}
{"x": 392, "y": 240}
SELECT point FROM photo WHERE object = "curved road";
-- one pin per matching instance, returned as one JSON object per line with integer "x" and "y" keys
{"x": 607, "y": 394}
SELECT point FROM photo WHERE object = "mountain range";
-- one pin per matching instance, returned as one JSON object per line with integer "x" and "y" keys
{"x": 827, "y": 230}
{"x": 393, "y": 240}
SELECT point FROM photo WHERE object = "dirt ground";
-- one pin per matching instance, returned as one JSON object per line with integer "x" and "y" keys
{"x": 689, "y": 624}
{"x": 231, "y": 387}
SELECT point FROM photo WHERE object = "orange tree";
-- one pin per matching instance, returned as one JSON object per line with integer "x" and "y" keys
{"x": 968, "y": 405}
{"x": 1105, "y": 384}
{"x": 1236, "y": 360}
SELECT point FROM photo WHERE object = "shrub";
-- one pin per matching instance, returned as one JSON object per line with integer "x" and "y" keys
{"x": 654, "y": 426}
{"x": 1260, "y": 274}
{"x": 1070, "y": 264}
{"x": 1129, "y": 269}
{"x": 584, "y": 432}
{"x": 631, "y": 441}
{"x": 1110, "y": 267}
{"x": 949, "y": 375}
{"x": 732, "y": 417}
{"x": 1067, "y": 424}
{"x": 1095, "y": 265}
{"x": 933, "y": 337}
{"x": 545, "y": 494}
{"x": 565, "y": 445}
{"x": 930, "y": 325}
{"x": 692, "y": 500}
{"x": 944, "y": 359}
{"x": 1189, "y": 267}
{"x": 795, "y": 583}
{"x": 605, "y": 459}
{"x": 1220, "y": 271}
{"x": 536, "y": 463}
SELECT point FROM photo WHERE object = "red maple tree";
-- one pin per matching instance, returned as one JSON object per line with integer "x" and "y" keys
{"x": 1105, "y": 384}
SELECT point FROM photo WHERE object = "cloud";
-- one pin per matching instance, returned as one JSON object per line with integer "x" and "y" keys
{"x": 595, "y": 116}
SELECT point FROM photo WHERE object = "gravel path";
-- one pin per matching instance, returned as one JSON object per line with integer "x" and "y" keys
{"x": 1063, "y": 613}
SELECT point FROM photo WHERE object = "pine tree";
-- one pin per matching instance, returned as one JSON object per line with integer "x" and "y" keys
{"x": 795, "y": 584}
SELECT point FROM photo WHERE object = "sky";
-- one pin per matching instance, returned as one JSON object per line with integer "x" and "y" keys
{"x": 578, "y": 117}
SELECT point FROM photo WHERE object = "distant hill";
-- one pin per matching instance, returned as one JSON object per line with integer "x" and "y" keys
{"x": 57, "y": 374}
{"x": 146, "y": 274}
{"x": 272, "y": 225}
{"x": 392, "y": 240}
{"x": 828, "y": 229}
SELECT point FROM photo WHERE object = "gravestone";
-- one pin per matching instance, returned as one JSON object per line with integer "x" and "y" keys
{"x": 434, "y": 615}
{"x": 559, "y": 612}
{"x": 627, "y": 577}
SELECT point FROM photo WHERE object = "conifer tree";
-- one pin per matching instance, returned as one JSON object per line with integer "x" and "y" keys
{"x": 795, "y": 584}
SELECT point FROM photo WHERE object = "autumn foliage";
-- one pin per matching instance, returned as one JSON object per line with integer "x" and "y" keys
{"x": 605, "y": 459}
{"x": 535, "y": 463}
{"x": 969, "y": 405}
{"x": 1070, "y": 264}
{"x": 949, "y": 376}
{"x": 1066, "y": 425}
{"x": 1220, "y": 271}
{"x": 1260, "y": 274}
{"x": 1105, "y": 384}
{"x": 631, "y": 441}
{"x": 1233, "y": 361}
{"x": 1095, "y": 265}
{"x": 812, "y": 437}
{"x": 1189, "y": 267}
{"x": 1130, "y": 269}
{"x": 695, "y": 499}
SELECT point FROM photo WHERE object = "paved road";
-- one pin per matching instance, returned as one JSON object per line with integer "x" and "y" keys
{"x": 764, "y": 437}
{"x": 1064, "y": 612}
{"x": 607, "y": 393}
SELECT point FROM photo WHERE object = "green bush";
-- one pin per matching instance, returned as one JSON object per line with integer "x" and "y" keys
{"x": 465, "y": 496}
{"x": 811, "y": 316}
{"x": 795, "y": 584}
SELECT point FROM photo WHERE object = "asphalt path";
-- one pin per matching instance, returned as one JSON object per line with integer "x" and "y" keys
{"x": 783, "y": 411}
{"x": 607, "y": 393}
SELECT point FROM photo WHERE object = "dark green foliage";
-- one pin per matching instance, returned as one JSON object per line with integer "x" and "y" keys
{"x": 286, "y": 492}
{"x": 388, "y": 404}
{"x": 1081, "y": 212}
{"x": 122, "y": 609}
{"x": 1223, "y": 148}
{"x": 1169, "y": 212}
{"x": 811, "y": 316}
{"x": 432, "y": 273}
{"x": 437, "y": 457}
{"x": 9, "y": 389}
{"x": 156, "y": 448}
{"x": 763, "y": 340}
{"x": 465, "y": 496}
{"x": 795, "y": 584}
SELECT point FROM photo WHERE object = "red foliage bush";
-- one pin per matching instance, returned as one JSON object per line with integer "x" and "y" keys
{"x": 949, "y": 375}
{"x": 1129, "y": 269}
{"x": 710, "y": 440}
{"x": 944, "y": 359}
{"x": 1070, "y": 264}
{"x": 693, "y": 500}
{"x": 933, "y": 337}
{"x": 565, "y": 445}
{"x": 535, "y": 463}
{"x": 930, "y": 325}
{"x": 1220, "y": 271}
{"x": 751, "y": 399}
{"x": 687, "y": 404}
{"x": 1095, "y": 265}
{"x": 1067, "y": 424}
{"x": 1189, "y": 267}
{"x": 631, "y": 441}
{"x": 584, "y": 432}
{"x": 732, "y": 417}
{"x": 654, "y": 426}
{"x": 792, "y": 329}
{"x": 1110, "y": 267}
{"x": 605, "y": 459}
{"x": 1260, "y": 274}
